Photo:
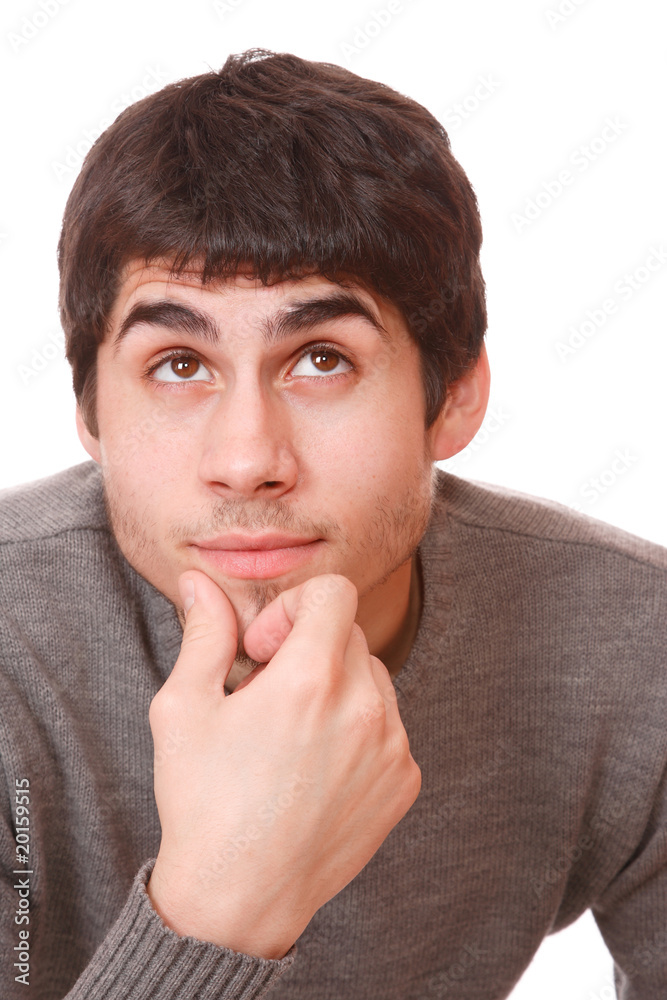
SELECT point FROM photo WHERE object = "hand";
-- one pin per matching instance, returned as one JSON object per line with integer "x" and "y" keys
{"x": 273, "y": 798}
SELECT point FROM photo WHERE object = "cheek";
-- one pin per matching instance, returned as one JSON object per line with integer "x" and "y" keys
{"x": 390, "y": 433}
{"x": 374, "y": 451}
{"x": 145, "y": 453}
{"x": 141, "y": 436}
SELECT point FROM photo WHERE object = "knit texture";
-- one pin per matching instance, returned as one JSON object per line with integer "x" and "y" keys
{"x": 535, "y": 701}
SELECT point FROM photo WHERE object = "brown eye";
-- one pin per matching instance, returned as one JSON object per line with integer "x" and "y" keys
{"x": 180, "y": 368}
{"x": 321, "y": 361}
{"x": 187, "y": 367}
{"x": 325, "y": 361}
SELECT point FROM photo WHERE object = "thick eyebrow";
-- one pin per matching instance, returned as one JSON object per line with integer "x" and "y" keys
{"x": 170, "y": 314}
{"x": 297, "y": 316}
{"x": 314, "y": 312}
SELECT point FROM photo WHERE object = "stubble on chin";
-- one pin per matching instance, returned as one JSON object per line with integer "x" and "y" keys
{"x": 139, "y": 549}
{"x": 258, "y": 594}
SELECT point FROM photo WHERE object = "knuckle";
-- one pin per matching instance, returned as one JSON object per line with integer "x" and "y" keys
{"x": 163, "y": 709}
{"x": 399, "y": 747}
{"x": 302, "y": 686}
{"x": 368, "y": 714}
{"x": 155, "y": 715}
{"x": 414, "y": 779}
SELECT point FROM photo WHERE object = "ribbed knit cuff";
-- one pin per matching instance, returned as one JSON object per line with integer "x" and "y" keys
{"x": 142, "y": 958}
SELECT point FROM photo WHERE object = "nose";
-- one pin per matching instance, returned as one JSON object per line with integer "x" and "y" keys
{"x": 248, "y": 448}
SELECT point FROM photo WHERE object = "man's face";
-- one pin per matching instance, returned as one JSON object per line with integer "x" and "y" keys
{"x": 263, "y": 435}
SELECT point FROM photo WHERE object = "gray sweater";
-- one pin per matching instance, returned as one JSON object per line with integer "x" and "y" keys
{"x": 535, "y": 701}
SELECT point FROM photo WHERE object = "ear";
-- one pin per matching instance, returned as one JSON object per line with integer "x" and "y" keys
{"x": 90, "y": 443}
{"x": 462, "y": 415}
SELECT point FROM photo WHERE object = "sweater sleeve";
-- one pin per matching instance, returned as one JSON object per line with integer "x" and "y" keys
{"x": 141, "y": 957}
{"x": 632, "y": 913}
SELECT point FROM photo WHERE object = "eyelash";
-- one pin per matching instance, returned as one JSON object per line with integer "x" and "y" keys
{"x": 169, "y": 356}
{"x": 310, "y": 349}
{"x": 332, "y": 349}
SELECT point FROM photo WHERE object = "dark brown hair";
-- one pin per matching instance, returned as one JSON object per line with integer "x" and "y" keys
{"x": 279, "y": 167}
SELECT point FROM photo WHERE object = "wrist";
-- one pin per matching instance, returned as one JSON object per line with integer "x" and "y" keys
{"x": 191, "y": 908}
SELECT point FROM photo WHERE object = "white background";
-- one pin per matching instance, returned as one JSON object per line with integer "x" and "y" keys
{"x": 586, "y": 428}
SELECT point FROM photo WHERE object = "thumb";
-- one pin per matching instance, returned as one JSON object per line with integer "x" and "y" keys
{"x": 210, "y": 634}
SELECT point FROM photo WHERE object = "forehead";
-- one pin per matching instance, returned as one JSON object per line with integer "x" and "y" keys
{"x": 141, "y": 281}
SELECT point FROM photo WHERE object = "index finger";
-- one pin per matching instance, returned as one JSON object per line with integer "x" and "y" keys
{"x": 321, "y": 610}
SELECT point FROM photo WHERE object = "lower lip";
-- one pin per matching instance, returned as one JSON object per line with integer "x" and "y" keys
{"x": 259, "y": 564}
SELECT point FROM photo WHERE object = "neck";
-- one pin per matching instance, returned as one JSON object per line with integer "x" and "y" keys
{"x": 389, "y": 615}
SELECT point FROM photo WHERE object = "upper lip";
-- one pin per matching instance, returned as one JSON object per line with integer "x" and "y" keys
{"x": 238, "y": 542}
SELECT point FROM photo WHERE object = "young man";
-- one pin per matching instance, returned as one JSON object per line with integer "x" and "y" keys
{"x": 284, "y": 709}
